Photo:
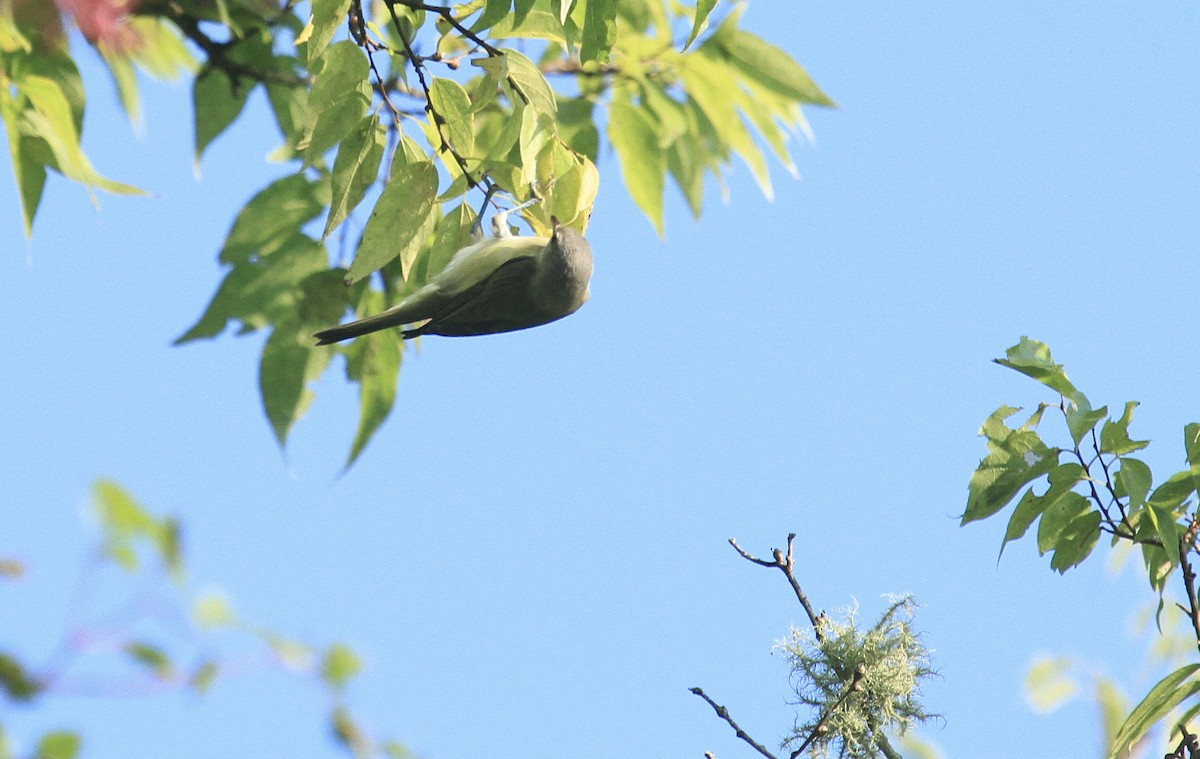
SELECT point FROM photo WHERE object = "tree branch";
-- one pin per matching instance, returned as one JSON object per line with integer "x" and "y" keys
{"x": 723, "y": 713}
{"x": 785, "y": 565}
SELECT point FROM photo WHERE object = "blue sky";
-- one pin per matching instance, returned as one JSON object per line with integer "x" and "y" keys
{"x": 531, "y": 554}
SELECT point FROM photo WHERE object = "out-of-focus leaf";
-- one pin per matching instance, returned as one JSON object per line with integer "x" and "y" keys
{"x": 536, "y": 25}
{"x": 373, "y": 361}
{"x": 289, "y": 362}
{"x": 453, "y": 104}
{"x": 213, "y": 610}
{"x": 355, "y": 169}
{"x": 339, "y": 664}
{"x": 402, "y": 218}
{"x": 327, "y": 17}
{"x": 152, "y": 657}
{"x": 337, "y": 101}
{"x": 1171, "y": 691}
{"x": 703, "y": 8}
{"x": 263, "y": 290}
{"x": 761, "y": 61}
{"x": 58, "y": 745}
{"x": 599, "y": 30}
{"x": 16, "y": 682}
{"x": 643, "y": 169}
{"x": 494, "y": 11}
{"x": 216, "y": 104}
{"x": 1049, "y": 684}
{"x": 530, "y": 83}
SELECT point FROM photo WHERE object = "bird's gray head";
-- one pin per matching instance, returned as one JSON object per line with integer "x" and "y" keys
{"x": 566, "y": 267}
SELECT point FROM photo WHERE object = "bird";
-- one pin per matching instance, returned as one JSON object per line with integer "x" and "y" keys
{"x": 501, "y": 284}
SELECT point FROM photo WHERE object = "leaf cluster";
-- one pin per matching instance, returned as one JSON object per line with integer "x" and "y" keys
{"x": 387, "y": 128}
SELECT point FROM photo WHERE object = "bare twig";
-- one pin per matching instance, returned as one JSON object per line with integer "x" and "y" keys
{"x": 1189, "y": 584}
{"x": 723, "y": 713}
{"x": 785, "y": 565}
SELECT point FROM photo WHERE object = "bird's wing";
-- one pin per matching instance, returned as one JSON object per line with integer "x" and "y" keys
{"x": 500, "y": 303}
{"x": 475, "y": 263}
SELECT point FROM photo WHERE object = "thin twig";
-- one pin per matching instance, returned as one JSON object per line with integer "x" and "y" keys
{"x": 723, "y": 713}
{"x": 786, "y": 565}
{"x": 822, "y": 727}
{"x": 1189, "y": 583}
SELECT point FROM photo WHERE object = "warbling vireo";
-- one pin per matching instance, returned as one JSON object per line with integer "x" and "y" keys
{"x": 498, "y": 285}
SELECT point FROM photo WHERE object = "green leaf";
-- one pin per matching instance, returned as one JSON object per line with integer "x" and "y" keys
{"x": 1167, "y": 530}
{"x": 1063, "y": 505}
{"x": 1134, "y": 478}
{"x": 703, "y": 8}
{"x": 1191, "y": 444}
{"x": 493, "y": 12}
{"x": 1028, "y": 509}
{"x": 1080, "y": 417}
{"x": 1172, "y": 493}
{"x": 327, "y": 17}
{"x": 273, "y": 217}
{"x": 706, "y": 80}
{"x": 355, "y": 169}
{"x": 339, "y": 97}
{"x": 1049, "y": 684}
{"x": 1114, "y": 436}
{"x": 204, "y": 676}
{"x": 373, "y": 361}
{"x": 643, "y": 169}
{"x": 1032, "y": 358}
{"x": 16, "y": 682}
{"x": 768, "y": 65}
{"x": 577, "y": 126}
{"x": 30, "y": 173}
{"x": 51, "y": 119}
{"x": 216, "y": 104}
{"x": 152, "y": 657}
{"x": 339, "y": 664}
{"x": 289, "y": 363}
{"x": 599, "y": 30}
{"x": 452, "y": 103}
{"x": 536, "y": 24}
{"x": 125, "y": 522}
{"x": 528, "y": 80}
{"x": 1016, "y": 458}
{"x": 1171, "y": 691}
{"x": 398, "y": 225}
{"x": 58, "y": 745}
{"x": 1076, "y": 541}
{"x": 125, "y": 78}
{"x": 262, "y": 290}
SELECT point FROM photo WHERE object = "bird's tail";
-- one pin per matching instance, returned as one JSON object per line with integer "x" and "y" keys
{"x": 361, "y": 327}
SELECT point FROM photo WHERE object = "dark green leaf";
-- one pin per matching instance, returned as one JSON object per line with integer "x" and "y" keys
{"x": 1168, "y": 531}
{"x": 402, "y": 218}
{"x": 18, "y": 684}
{"x": 1135, "y": 479}
{"x": 1172, "y": 493}
{"x": 152, "y": 657}
{"x": 577, "y": 126}
{"x": 1171, "y": 691}
{"x": 1028, "y": 509}
{"x": 216, "y": 104}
